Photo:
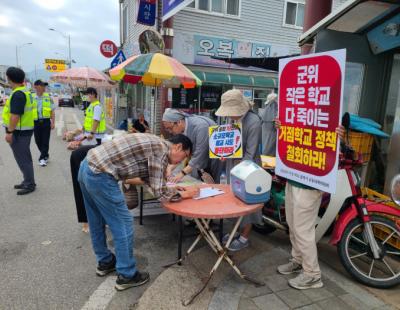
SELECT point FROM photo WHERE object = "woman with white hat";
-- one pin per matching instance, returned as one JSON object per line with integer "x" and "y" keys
{"x": 268, "y": 128}
{"x": 238, "y": 109}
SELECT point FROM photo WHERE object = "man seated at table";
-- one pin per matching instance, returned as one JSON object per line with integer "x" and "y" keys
{"x": 140, "y": 125}
{"x": 144, "y": 158}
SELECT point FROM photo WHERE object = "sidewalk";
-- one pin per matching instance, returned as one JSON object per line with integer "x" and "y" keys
{"x": 227, "y": 291}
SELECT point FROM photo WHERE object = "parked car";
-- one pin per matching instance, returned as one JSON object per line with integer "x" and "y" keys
{"x": 65, "y": 101}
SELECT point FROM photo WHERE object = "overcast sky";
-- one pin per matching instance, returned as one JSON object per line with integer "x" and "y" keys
{"x": 88, "y": 22}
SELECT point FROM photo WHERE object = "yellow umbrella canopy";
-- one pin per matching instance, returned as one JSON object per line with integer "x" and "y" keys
{"x": 155, "y": 69}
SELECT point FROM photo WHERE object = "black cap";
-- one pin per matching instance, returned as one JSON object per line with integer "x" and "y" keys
{"x": 40, "y": 83}
{"x": 91, "y": 90}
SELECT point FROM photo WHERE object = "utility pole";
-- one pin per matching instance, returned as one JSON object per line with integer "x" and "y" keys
{"x": 69, "y": 51}
{"x": 68, "y": 37}
{"x": 16, "y": 50}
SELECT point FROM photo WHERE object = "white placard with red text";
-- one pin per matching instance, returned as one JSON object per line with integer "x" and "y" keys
{"x": 310, "y": 109}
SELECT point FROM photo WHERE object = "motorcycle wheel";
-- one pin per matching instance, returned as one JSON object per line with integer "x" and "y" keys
{"x": 263, "y": 229}
{"x": 358, "y": 260}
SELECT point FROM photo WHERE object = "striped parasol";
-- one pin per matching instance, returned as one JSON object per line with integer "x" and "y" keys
{"x": 83, "y": 77}
{"x": 155, "y": 69}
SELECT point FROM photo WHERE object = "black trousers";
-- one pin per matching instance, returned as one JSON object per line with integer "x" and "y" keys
{"x": 42, "y": 136}
{"x": 76, "y": 158}
{"x": 22, "y": 154}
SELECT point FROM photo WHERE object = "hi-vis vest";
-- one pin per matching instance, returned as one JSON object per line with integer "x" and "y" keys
{"x": 89, "y": 119}
{"x": 46, "y": 106}
{"x": 26, "y": 121}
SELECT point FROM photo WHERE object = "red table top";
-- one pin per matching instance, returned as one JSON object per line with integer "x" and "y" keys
{"x": 217, "y": 207}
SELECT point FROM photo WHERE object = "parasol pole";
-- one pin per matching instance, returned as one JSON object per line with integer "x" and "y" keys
{"x": 154, "y": 105}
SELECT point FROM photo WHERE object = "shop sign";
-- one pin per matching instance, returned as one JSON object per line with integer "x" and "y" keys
{"x": 225, "y": 141}
{"x": 199, "y": 49}
{"x": 108, "y": 48}
{"x": 310, "y": 106}
{"x": 147, "y": 12}
{"x": 210, "y": 97}
{"x": 54, "y": 65}
{"x": 207, "y": 47}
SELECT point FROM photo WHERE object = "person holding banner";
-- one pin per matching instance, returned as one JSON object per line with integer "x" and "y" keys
{"x": 302, "y": 203}
{"x": 238, "y": 109}
{"x": 195, "y": 127}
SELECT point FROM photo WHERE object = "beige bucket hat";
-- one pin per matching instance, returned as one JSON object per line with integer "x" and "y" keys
{"x": 233, "y": 103}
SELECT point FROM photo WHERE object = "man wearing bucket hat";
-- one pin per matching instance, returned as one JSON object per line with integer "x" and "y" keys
{"x": 238, "y": 109}
{"x": 195, "y": 127}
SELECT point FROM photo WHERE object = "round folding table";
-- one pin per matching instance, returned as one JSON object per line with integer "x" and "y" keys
{"x": 202, "y": 211}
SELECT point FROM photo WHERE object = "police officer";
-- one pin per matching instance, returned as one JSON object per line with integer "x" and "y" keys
{"x": 45, "y": 120}
{"x": 18, "y": 119}
{"x": 95, "y": 121}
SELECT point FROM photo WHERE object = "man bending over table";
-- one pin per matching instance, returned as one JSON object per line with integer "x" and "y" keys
{"x": 143, "y": 158}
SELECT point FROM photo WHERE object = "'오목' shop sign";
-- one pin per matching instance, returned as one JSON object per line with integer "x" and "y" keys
{"x": 310, "y": 107}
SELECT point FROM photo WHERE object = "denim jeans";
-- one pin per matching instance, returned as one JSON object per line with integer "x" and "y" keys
{"x": 105, "y": 204}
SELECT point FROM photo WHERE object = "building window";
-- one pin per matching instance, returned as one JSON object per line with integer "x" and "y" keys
{"x": 294, "y": 14}
{"x": 232, "y": 7}
{"x": 223, "y": 7}
{"x": 260, "y": 96}
{"x": 217, "y": 6}
{"x": 203, "y": 5}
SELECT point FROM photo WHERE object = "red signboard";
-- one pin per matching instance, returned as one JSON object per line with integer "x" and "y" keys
{"x": 310, "y": 96}
{"x": 108, "y": 48}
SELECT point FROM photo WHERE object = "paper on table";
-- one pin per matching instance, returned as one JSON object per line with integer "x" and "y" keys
{"x": 209, "y": 192}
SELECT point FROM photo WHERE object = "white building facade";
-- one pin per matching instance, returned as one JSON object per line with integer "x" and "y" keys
{"x": 221, "y": 28}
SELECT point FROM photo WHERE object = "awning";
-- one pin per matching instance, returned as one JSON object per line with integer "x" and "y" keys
{"x": 267, "y": 63}
{"x": 236, "y": 79}
{"x": 354, "y": 16}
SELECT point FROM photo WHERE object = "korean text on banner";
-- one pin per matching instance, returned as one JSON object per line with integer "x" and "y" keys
{"x": 225, "y": 141}
{"x": 310, "y": 108}
{"x": 147, "y": 12}
{"x": 171, "y": 7}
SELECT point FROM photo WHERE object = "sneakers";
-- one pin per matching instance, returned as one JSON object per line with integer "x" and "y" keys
{"x": 105, "y": 268}
{"x": 22, "y": 186}
{"x": 290, "y": 267}
{"x": 238, "y": 244}
{"x": 43, "y": 162}
{"x": 226, "y": 237}
{"x": 138, "y": 279}
{"x": 304, "y": 282}
{"x": 25, "y": 191}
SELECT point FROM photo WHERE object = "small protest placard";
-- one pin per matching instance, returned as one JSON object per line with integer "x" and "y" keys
{"x": 225, "y": 141}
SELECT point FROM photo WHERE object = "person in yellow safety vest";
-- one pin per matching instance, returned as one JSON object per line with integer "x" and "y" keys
{"x": 44, "y": 120}
{"x": 18, "y": 120}
{"x": 95, "y": 121}
{"x": 85, "y": 101}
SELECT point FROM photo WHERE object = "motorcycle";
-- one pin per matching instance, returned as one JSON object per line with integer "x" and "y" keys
{"x": 364, "y": 225}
